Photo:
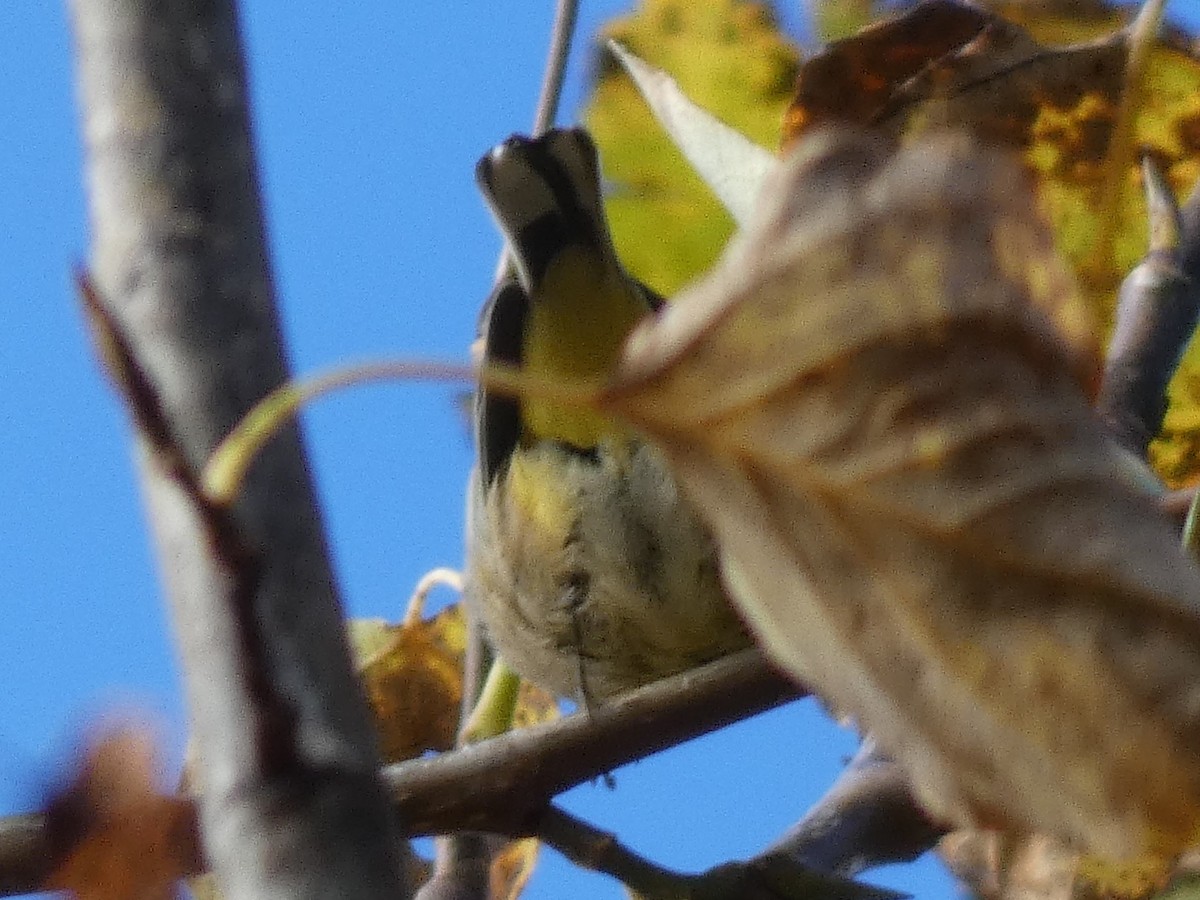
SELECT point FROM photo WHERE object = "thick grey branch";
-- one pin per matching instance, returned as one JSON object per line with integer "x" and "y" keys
{"x": 292, "y": 803}
{"x": 27, "y": 854}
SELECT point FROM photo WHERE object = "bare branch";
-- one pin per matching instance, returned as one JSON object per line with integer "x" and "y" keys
{"x": 869, "y": 817}
{"x": 767, "y": 877}
{"x": 1156, "y": 316}
{"x": 292, "y": 802}
{"x": 600, "y": 851}
{"x": 505, "y": 784}
{"x": 565, "y": 12}
{"x": 559, "y": 53}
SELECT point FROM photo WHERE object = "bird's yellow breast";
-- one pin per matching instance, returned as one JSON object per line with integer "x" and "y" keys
{"x": 582, "y": 312}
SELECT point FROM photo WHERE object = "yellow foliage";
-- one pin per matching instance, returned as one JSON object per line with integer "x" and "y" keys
{"x": 727, "y": 56}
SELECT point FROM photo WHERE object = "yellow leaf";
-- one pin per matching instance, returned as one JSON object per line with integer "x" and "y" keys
{"x": 511, "y": 868}
{"x": 728, "y": 57}
{"x": 412, "y": 675}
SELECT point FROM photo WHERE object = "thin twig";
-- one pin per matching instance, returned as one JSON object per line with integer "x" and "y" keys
{"x": 460, "y": 857}
{"x": 769, "y": 877}
{"x": 600, "y": 851}
{"x": 414, "y": 611}
{"x": 561, "y": 33}
{"x": 868, "y": 817}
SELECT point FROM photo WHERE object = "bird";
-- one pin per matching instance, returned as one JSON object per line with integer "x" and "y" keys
{"x": 589, "y": 568}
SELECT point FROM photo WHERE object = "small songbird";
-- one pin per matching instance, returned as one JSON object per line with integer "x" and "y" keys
{"x": 592, "y": 573}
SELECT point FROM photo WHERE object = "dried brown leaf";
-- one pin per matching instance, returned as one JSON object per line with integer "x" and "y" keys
{"x": 915, "y": 506}
{"x": 412, "y": 675}
{"x": 128, "y": 840}
{"x": 1001, "y": 867}
{"x": 853, "y": 81}
{"x": 1057, "y": 107}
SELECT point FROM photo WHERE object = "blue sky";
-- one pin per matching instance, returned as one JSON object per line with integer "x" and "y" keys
{"x": 370, "y": 118}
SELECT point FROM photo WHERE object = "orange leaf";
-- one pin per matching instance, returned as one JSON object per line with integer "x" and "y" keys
{"x": 127, "y": 839}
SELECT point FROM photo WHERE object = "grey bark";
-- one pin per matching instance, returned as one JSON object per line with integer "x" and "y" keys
{"x": 292, "y": 803}
{"x": 1159, "y": 304}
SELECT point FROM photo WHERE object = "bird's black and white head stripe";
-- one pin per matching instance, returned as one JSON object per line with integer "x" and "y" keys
{"x": 545, "y": 194}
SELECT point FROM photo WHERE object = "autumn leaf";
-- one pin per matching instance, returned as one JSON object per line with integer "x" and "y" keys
{"x": 413, "y": 680}
{"x": 729, "y": 162}
{"x": 413, "y": 676}
{"x": 512, "y": 867}
{"x": 948, "y": 63}
{"x": 857, "y": 80}
{"x": 915, "y": 506}
{"x": 729, "y": 58}
{"x": 992, "y": 72}
{"x": 128, "y": 840}
{"x": 1012, "y": 867}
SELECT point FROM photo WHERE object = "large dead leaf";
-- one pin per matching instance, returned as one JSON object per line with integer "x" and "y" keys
{"x": 985, "y": 70}
{"x": 914, "y": 504}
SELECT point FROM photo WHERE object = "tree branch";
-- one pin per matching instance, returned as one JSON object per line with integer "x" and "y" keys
{"x": 868, "y": 817}
{"x": 292, "y": 803}
{"x": 505, "y": 784}
{"x": 1157, "y": 311}
{"x": 600, "y": 851}
{"x": 768, "y": 877}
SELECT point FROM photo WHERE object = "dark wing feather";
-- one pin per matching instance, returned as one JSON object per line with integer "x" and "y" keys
{"x": 498, "y": 417}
